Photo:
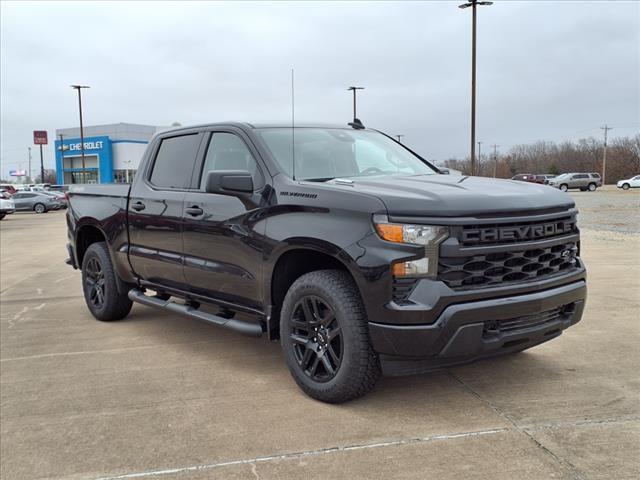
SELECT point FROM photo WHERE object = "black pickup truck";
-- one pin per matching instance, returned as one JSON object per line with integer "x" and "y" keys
{"x": 360, "y": 256}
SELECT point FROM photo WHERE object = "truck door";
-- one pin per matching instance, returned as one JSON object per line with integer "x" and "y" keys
{"x": 222, "y": 240}
{"x": 156, "y": 208}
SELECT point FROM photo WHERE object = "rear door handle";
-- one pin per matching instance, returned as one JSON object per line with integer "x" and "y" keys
{"x": 138, "y": 206}
{"x": 194, "y": 211}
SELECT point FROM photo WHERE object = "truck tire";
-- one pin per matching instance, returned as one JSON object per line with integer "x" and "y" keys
{"x": 325, "y": 337}
{"x": 2, "y": 215}
{"x": 564, "y": 187}
{"x": 592, "y": 187}
{"x": 39, "y": 208}
{"x": 100, "y": 287}
{"x": 625, "y": 186}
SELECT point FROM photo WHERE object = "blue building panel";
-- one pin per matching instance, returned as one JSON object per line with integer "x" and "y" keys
{"x": 98, "y": 146}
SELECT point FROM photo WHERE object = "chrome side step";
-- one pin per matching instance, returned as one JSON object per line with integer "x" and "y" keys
{"x": 239, "y": 326}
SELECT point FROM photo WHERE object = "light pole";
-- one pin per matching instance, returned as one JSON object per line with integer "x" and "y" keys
{"x": 29, "y": 175}
{"x": 606, "y": 129}
{"x": 473, "y": 4}
{"x": 354, "y": 100}
{"x": 399, "y": 137}
{"x": 479, "y": 152}
{"x": 78, "y": 88}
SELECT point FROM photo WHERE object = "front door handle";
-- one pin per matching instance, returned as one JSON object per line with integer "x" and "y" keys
{"x": 194, "y": 211}
{"x": 138, "y": 206}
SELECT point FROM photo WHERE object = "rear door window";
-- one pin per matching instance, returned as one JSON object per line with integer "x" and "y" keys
{"x": 174, "y": 161}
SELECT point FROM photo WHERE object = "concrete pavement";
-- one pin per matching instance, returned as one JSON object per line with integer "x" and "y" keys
{"x": 158, "y": 396}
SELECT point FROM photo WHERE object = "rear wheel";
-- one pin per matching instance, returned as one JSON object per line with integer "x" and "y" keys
{"x": 626, "y": 186}
{"x": 39, "y": 208}
{"x": 564, "y": 187}
{"x": 2, "y": 215}
{"x": 592, "y": 187}
{"x": 100, "y": 285}
{"x": 325, "y": 337}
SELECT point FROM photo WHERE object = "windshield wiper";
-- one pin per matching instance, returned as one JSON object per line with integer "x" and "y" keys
{"x": 321, "y": 179}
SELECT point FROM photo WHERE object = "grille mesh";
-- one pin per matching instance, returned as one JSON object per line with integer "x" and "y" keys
{"x": 506, "y": 267}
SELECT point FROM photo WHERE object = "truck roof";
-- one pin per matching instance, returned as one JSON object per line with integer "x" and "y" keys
{"x": 247, "y": 125}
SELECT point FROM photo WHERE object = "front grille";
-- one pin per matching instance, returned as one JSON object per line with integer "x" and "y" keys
{"x": 510, "y": 325}
{"x": 402, "y": 288}
{"x": 506, "y": 267}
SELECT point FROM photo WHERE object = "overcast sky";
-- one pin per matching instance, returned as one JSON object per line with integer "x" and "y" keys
{"x": 546, "y": 70}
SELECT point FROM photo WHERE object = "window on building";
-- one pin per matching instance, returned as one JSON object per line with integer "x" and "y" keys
{"x": 174, "y": 162}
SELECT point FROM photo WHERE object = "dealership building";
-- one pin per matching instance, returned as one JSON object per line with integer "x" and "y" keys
{"x": 112, "y": 153}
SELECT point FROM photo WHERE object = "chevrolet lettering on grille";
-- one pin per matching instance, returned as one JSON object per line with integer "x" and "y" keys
{"x": 515, "y": 233}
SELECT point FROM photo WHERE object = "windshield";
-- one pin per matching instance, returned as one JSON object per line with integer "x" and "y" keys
{"x": 326, "y": 153}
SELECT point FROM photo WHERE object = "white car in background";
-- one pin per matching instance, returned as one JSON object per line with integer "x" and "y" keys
{"x": 7, "y": 207}
{"x": 633, "y": 182}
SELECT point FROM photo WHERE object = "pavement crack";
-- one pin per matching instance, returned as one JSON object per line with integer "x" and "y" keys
{"x": 307, "y": 453}
{"x": 567, "y": 465}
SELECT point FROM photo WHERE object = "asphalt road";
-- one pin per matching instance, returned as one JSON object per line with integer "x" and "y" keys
{"x": 157, "y": 396}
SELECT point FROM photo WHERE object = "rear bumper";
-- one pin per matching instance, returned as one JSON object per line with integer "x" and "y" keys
{"x": 469, "y": 331}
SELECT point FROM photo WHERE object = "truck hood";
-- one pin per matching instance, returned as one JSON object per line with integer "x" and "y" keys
{"x": 455, "y": 196}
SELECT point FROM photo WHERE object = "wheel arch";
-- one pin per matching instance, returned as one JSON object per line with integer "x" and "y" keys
{"x": 293, "y": 262}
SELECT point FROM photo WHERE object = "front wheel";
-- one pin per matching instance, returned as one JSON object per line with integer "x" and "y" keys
{"x": 2, "y": 215}
{"x": 564, "y": 187}
{"x": 592, "y": 187}
{"x": 100, "y": 285}
{"x": 626, "y": 186}
{"x": 325, "y": 337}
{"x": 39, "y": 208}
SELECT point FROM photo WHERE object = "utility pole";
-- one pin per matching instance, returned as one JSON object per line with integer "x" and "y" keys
{"x": 399, "y": 137}
{"x": 354, "y": 100}
{"x": 84, "y": 171}
{"x": 62, "y": 154}
{"x": 473, "y": 4}
{"x": 41, "y": 166}
{"x": 479, "y": 155}
{"x": 495, "y": 159}
{"x": 606, "y": 129}
{"x": 29, "y": 175}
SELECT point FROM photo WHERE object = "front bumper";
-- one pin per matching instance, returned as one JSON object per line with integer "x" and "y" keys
{"x": 472, "y": 330}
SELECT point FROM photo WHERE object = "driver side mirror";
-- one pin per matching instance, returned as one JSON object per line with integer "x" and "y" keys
{"x": 229, "y": 182}
{"x": 444, "y": 171}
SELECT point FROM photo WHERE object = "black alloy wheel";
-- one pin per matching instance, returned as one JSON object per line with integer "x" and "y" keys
{"x": 317, "y": 338}
{"x": 94, "y": 278}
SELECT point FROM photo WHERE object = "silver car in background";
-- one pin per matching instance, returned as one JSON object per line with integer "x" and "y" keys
{"x": 37, "y": 202}
{"x": 581, "y": 181}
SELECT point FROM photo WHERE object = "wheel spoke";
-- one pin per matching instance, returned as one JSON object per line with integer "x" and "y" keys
{"x": 299, "y": 339}
{"x": 314, "y": 365}
{"x": 307, "y": 310}
{"x": 333, "y": 333}
{"x": 306, "y": 358}
{"x": 327, "y": 364}
{"x": 333, "y": 355}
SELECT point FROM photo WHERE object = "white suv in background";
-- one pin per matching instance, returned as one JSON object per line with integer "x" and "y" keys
{"x": 6, "y": 207}
{"x": 633, "y": 182}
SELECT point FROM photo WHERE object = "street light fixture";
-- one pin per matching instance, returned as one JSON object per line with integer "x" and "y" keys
{"x": 354, "y": 100}
{"x": 473, "y": 4}
{"x": 78, "y": 88}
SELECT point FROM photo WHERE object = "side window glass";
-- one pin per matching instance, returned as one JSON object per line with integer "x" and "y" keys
{"x": 227, "y": 151}
{"x": 174, "y": 161}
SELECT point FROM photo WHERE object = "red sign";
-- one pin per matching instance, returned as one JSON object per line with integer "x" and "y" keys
{"x": 40, "y": 137}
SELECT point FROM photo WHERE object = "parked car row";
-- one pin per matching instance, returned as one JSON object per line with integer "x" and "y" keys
{"x": 530, "y": 177}
{"x": 36, "y": 198}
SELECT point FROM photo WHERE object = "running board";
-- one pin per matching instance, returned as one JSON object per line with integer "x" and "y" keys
{"x": 239, "y": 326}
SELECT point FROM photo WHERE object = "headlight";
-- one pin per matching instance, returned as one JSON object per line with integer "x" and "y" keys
{"x": 431, "y": 236}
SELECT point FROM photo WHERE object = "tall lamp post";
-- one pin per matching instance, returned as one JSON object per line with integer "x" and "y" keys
{"x": 473, "y": 4}
{"x": 354, "y": 100}
{"x": 79, "y": 88}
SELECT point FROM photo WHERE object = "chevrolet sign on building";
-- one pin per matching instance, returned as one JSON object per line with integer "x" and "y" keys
{"x": 112, "y": 153}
